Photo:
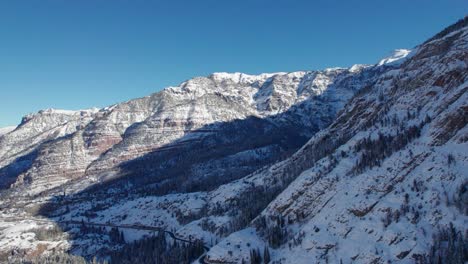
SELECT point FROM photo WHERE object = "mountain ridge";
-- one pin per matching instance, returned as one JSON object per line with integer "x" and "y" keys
{"x": 105, "y": 129}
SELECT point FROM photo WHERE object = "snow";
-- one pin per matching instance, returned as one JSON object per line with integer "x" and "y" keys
{"x": 237, "y": 247}
{"x": 69, "y": 112}
{"x": 242, "y": 77}
{"x": 6, "y": 130}
{"x": 358, "y": 67}
{"x": 20, "y": 233}
{"x": 398, "y": 56}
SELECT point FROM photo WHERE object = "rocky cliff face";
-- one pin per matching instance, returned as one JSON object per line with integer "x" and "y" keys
{"x": 53, "y": 147}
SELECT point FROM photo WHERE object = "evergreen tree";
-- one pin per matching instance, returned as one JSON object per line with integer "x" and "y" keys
{"x": 266, "y": 255}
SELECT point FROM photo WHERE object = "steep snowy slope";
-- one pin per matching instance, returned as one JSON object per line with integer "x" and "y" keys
{"x": 382, "y": 181}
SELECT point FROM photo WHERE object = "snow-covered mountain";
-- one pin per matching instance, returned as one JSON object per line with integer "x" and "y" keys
{"x": 383, "y": 181}
{"x": 93, "y": 143}
{"x": 359, "y": 165}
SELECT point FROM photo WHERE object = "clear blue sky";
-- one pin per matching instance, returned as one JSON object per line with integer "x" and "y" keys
{"x": 79, "y": 54}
